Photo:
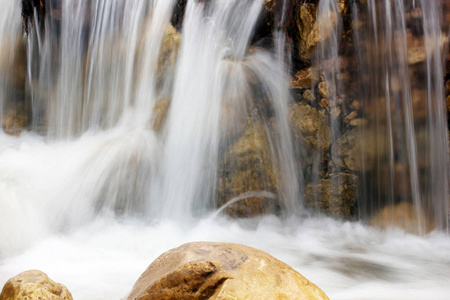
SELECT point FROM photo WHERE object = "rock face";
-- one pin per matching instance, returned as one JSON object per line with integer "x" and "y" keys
{"x": 205, "y": 270}
{"x": 309, "y": 126}
{"x": 405, "y": 216}
{"x": 334, "y": 196}
{"x": 246, "y": 170}
{"x": 34, "y": 285}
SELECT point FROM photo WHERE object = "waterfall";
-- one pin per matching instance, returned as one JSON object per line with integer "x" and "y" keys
{"x": 300, "y": 127}
{"x": 9, "y": 39}
{"x": 404, "y": 109}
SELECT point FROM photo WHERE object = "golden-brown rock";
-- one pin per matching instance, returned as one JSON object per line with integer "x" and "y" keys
{"x": 34, "y": 285}
{"x": 205, "y": 270}
{"x": 305, "y": 20}
{"x": 334, "y": 196}
{"x": 309, "y": 126}
{"x": 247, "y": 169}
{"x": 405, "y": 216}
{"x": 15, "y": 120}
{"x": 159, "y": 114}
{"x": 304, "y": 79}
{"x": 359, "y": 150}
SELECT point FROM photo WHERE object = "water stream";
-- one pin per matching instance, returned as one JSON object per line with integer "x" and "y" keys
{"x": 131, "y": 126}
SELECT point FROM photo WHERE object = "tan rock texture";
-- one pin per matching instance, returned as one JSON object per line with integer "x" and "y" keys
{"x": 405, "y": 216}
{"x": 246, "y": 170}
{"x": 309, "y": 126}
{"x": 335, "y": 196}
{"x": 205, "y": 270}
{"x": 34, "y": 285}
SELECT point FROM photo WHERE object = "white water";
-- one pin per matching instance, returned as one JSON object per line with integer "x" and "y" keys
{"x": 97, "y": 199}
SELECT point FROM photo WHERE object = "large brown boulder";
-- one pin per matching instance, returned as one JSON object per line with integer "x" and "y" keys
{"x": 247, "y": 173}
{"x": 34, "y": 285}
{"x": 205, "y": 270}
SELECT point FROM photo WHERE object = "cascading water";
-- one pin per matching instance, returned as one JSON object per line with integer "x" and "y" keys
{"x": 141, "y": 135}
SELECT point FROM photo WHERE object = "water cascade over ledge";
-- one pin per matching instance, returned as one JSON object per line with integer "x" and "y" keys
{"x": 314, "y": 130}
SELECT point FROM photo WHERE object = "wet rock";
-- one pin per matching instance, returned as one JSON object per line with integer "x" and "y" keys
{"x": 168, "y": 57}
{"x": 359, "y": 122}
{"x": 34, "y": 285}
{"x": 14, "y": 121}
{"x": 159, "y": 114}
{"x": 350, "y": 117}
{"x": 305, "y": 20}
{"x": 169, "y": 49}
{"x": 304, "y": 79}
{"x": 323, "y": 89}
{"x": 322, "y": 29}
{"x": 309, "y": 127}
{"x": 247, "y": 169}
{"x": 269, "y": 5}
{"x": 405, "y": 216}
{"x": 358, "y": 149}
{"x": 335, "y": 196}
{"x": 206, "y": 270}
{"x": 237, "y": 99}
{"x": 308, "y": 95}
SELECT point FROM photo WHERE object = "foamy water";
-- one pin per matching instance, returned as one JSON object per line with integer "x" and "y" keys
{"x": 347, "y": 260}
{"x": 100, "y": 257}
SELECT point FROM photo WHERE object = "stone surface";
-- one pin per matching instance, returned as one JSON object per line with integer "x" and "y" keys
{"x": 304, "y": 79}
{"x": 405, "y": 216}
{"x": 205, "y": 270}
{"x": 334, "y": 196}
{"x": 358, "y": 149}
{"x": 159, "y": 114}
{"x": 169, "y": 50}
{"x": 305, "y": 20}
{"x": 15, "y": 121}
{"x": 34, "y": 285}
{"x": 309, "y": 127}
{"x": 246, "y": 170}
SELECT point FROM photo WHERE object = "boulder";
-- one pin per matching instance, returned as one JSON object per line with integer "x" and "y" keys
{"x": 405, "y": 216}
{"x": 335, "y": 196}
{"x": 206, "y": 270}
{"x": 34, "y": 285}
{"x": 309, "y": 127}
{"x": 247, "y": 174}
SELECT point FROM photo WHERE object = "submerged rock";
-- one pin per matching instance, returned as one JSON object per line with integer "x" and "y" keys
{"x": 247, "y": 169}
{"x": 15, "y": 121}
{"x": 34, "y": 285}
{"x": 405, "y": 216}
{"x": 205, "y": 270}
{"x": 334, "y": 196}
